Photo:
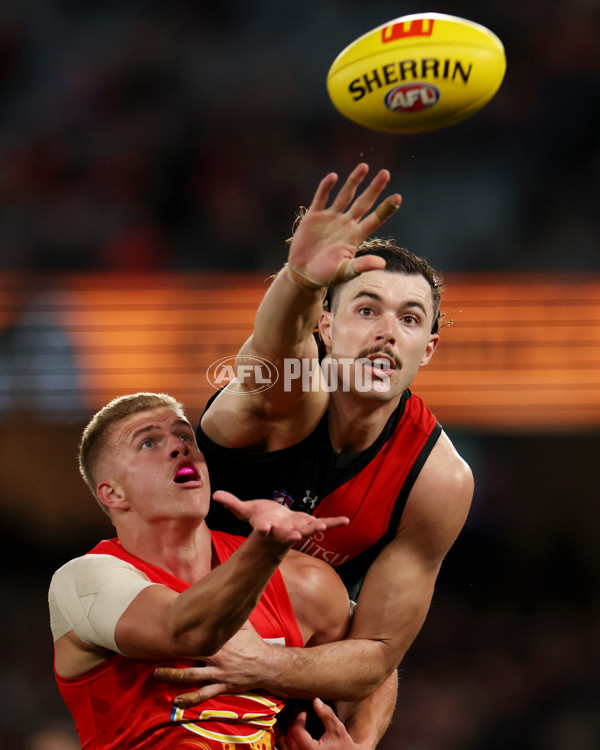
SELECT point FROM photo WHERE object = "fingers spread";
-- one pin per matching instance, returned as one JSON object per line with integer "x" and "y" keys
{"x": 349, "y": 188}
{"x": 381, "y": 214}
{"x": 389, "y": 207}
{"x": 366, "y": 200}
{"x": 321, "y": 196}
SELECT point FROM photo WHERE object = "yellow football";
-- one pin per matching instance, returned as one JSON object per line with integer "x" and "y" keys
{"x": 417, "y": 73}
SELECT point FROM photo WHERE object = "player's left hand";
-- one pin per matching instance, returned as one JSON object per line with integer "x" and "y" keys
{"x": 234, "y": 668}
{"x": 275, "y": 521}
{"x": 335, "y": 737}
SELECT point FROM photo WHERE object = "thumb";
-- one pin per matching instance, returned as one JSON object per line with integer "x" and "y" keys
{"x": 226, "y": 498}
{"x": 350, "y": 268}
{"x": 230, "y": 501}
{"x": 367, "y": 263}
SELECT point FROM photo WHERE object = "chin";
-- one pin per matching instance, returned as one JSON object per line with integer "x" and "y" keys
{"x": 384, "y": 396}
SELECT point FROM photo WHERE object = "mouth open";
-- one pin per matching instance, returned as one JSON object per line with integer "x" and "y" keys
{"x": 382, "y": 363}
{"x": 186, "y": 473}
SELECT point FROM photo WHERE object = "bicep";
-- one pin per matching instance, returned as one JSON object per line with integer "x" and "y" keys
{"x": 318, "y": 597}
{"x": 143, "y": 631}
{"x": 398, "y": 588}
{"x": 394, "y": 599}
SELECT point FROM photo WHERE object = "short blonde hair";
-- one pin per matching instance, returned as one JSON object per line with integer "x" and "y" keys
{"x": 95, "y": 435}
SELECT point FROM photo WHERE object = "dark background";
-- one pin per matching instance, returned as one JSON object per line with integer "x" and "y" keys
{"x": 182, "y": 136}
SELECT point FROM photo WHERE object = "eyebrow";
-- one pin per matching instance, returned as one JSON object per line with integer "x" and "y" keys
{"x": 376, "y": 297}
{"x": 151, "y": 427}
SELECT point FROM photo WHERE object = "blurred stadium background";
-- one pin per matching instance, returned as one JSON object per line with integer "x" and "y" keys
{"x": 152, "y": 158}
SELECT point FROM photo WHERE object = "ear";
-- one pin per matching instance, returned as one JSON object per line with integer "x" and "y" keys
{"x": 325, "y": 328}
{"x": 111, "y": 495}
{"x": 431, "y": 347}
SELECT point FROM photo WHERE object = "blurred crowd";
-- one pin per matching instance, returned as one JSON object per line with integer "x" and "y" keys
{"x": 184, "y": 135}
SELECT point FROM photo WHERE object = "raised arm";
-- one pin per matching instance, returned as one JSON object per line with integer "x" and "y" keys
{"x": 321, "y": 252}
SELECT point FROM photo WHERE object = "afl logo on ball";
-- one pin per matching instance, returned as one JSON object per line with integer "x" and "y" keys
{"x": 412, "y": 97}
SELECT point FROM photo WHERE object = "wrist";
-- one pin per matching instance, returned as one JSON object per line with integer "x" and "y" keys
{"x": 344, "y": 272}
{"x": 301, "y": 280}
{"x": 269, "y": 547}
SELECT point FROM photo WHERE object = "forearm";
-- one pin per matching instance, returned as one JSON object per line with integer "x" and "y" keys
{"x": 232, "y": 589}
{"x": 367, "y": 720}
{"x": 285, "y": 320}
{"x": 342, "y": 671}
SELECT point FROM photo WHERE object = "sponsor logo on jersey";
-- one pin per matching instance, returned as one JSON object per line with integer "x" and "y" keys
{"x": 313, "y": 547}
{"x": 308, "y": 502}
{"x": 283, "y": 498}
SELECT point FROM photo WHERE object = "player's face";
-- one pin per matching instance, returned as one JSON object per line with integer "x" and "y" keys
{"x": 385, "y": 318}
{"x": 156, "y": 465}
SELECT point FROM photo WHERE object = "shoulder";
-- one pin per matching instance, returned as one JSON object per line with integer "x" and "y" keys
{"x": 446, "y": 466}
{"x": 88, "y": 572}
{"x": 89, "y": 586}
{"x": 318, "y": 597}
{"x": 440, "y": 499}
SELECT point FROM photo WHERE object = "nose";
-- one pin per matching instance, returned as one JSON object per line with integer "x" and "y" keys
{"x": 179, "y": 449}
{"x": 386, "y": 330}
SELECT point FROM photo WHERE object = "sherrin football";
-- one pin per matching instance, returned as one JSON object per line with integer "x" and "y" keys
{"x": 417, "y": 73}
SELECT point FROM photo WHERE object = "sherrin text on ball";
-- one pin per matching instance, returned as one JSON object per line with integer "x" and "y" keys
{"x": 417, "y": 73}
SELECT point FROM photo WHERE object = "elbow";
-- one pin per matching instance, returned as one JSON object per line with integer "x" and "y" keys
{"x": 353, "y": 690}
{"x": 194, "y": 645}
{"x": 367, "y": 676}
{"x": 197, "y": 640}
{"x": 380, "y": 664}
{"x": 366, "y": 687}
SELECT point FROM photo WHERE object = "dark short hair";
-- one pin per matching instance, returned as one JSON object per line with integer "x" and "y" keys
{"x": 398, "y": 260}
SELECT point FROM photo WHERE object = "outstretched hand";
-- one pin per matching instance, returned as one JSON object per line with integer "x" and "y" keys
{"x": 327, "y": 238}
{"x": 279, "y": 523}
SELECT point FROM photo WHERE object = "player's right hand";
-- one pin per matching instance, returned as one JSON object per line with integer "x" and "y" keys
{"x": 329, "y": 235}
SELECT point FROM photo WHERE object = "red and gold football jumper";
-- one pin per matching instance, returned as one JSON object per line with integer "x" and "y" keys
{"x": 120, "y": 704}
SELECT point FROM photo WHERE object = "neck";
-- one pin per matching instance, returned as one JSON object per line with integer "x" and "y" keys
{"x": 356, "y": 422}
{"x": 179, "y": 547}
